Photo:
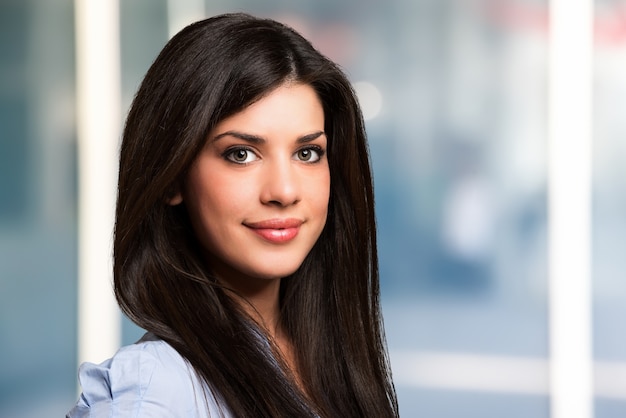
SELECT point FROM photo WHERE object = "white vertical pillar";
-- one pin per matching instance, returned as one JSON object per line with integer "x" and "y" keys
{"x": 569, "y": 207}
{"x": 181, "y": 13}
{"x": 98, "y": 126}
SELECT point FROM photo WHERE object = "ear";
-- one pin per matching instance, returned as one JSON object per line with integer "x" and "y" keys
{"x": 174, "y": 194}
{"x": 175, "y": 199}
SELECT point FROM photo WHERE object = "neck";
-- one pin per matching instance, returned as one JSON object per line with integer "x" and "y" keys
{"x": 261, "y": 302}
{"x": 260, "y": 299}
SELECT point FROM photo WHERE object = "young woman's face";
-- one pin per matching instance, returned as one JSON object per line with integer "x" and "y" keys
{"x": 258, "y": 192}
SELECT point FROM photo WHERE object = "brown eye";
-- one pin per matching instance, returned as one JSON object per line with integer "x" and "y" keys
{"x": 309, "y": 155}
{"x": 304, "y": 154}
{"x": 241, "y": 156}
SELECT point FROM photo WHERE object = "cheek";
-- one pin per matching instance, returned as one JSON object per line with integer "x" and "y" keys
{"x": 223, "y": 195}
{"x": 320, "y": 192}
{"x": 205, "y": 198}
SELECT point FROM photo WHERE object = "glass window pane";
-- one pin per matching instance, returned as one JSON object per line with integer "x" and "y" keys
{"x": 609, "y": 207}
{"x": 37, "y": 209}
{"x": 143, "y": 32}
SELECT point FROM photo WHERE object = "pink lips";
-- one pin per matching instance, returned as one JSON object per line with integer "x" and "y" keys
{"x": 276, "y": 230}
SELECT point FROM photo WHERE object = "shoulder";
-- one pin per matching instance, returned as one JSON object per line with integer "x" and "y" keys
{"x": 148, "y": 378}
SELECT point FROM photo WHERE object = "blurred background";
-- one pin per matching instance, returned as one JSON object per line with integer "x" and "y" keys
{"x": 454, "y": 95}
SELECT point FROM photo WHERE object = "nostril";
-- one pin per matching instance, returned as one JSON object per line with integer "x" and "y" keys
{"x": 285, "y": 202}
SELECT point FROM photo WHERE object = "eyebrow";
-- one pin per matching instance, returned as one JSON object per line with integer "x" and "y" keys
{"x": 257, "y": 140}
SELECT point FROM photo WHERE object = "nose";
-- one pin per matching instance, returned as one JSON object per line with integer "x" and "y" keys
{"x": 280, "y": 184}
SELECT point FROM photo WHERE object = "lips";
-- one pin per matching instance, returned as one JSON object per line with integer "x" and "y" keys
{"x": 276, "y": 230}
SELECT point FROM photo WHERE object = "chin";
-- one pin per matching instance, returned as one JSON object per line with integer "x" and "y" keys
{"x": 272, "y": 273}
{"x": 275, "y": 274}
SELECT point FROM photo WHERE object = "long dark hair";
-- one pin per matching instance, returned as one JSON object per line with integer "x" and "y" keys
{"x": 330, "y": 307}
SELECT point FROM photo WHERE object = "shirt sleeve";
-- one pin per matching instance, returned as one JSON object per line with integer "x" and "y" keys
{"x": 148, "y": 380}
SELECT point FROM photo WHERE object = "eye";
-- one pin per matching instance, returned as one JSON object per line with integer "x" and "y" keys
{"x": 240, "y": 155}
{"x": 309, "y": 154}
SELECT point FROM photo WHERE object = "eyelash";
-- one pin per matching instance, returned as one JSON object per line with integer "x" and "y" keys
{"x": 316, "y": 149}
{"x": 228, "y": 154}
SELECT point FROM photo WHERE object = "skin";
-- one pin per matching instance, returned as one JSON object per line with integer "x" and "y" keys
{"x": 257, "y": 196}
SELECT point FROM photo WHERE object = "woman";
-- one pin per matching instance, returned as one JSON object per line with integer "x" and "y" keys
{"x": 245, "y": 240}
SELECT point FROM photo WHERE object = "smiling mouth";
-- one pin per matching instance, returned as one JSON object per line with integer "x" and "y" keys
{"x": 276, "y": 230}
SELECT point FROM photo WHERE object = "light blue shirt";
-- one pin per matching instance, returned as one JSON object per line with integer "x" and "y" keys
{"x": 146, "y": 379}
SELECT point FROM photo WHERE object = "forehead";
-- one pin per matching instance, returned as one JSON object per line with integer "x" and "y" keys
{"x": 291, "y": 106}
